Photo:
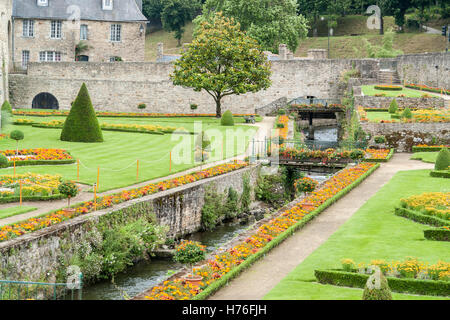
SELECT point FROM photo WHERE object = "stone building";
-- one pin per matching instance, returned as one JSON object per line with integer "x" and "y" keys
{"x": 5, "y": 39}
{"x": 55, "y": 30}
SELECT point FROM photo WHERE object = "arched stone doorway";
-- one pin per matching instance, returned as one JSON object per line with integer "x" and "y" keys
{"x": 45, "y": 100}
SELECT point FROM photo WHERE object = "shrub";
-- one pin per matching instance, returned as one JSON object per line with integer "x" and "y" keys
{"x": 377, "y": 288}
{"x": 142, "y": 106}
{"x": 194, "y": 106}
{"x": 246, "y": 194}
{"x": 280, "y": 125}
{"x": 3, "y": 161}
{"x": 17, "y": 135}
{"x": 6, "y": 115}
{"x": 407, "y": 113}
{"x": 348, "y": 265}
{"x": 281, "y": 112}
{"x": 305, "y": 184}
{"x": 270, "y": 189}
{"x": 227, "y": 119}
{"x": 393, "y": 107}
{"x": 189, "y": 252}
{"x": 81, "y": 124}
{"x": 380, "y": 139}
{"x": 231, "y": 208}
{"x": 357, "y": 154}
{"x": 442, "y": 160}
{"x": 213, "y": 209}
{"x": 68, "y": 189}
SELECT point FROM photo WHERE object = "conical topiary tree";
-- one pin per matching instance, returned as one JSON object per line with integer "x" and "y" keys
{"x": 81, "y": 124}
{"x": 6, "y": 115}
{"x": 227, "y": 119}
{"x": 442, "y": 160}
{"x": 377, "y": 288}
{"x": 407, "y": 113}
{"x": 393, "y": 107}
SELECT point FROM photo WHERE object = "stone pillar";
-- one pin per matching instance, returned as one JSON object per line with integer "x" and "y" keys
{"x": 290, "y": 56}
{"x": 160, "y": 52}
{"x": 282, "y": 51}
{"x": 317, "y": 53}
{"x": 310, "y": 127}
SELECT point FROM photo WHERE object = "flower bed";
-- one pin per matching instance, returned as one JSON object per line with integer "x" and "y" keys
{"x": 388, "y": 88}
{"x": 28, "y": 157}
{"x": 427, "y": 148}
{"x": 426, "y": 88}
{"x": 225, "y": 266}
{"x": 323, "y": 156}
{"x": 436, "y": 204}
{"x": 34, "y": 187}
{"x": 440, "y": 115}
{"x": 409, "y": 276}
{"x": 30, "y": 225}
{"x": 379, "y": 155}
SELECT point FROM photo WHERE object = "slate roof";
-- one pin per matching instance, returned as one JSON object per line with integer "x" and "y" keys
{"x": 123, "y": 10}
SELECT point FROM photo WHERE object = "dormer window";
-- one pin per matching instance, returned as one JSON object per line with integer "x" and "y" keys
{"x": 107, "y": 4}
{"x": 42, "y": 3}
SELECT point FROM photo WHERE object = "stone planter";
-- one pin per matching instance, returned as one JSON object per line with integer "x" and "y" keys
{"x": 194, "y": 280}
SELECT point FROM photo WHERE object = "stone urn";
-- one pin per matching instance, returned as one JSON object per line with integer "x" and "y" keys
{"x": 192, "y": 279}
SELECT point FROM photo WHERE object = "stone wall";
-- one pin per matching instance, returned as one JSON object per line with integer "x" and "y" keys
{"x": 384, "y": 102}
{"x": 122, "y": 86}
{"x": 5, "y": 27}
{"x": 421, "y": 69}
{"x": 403, "y": 136}
{"x": 101, "y": 48}
{"x": 38, "y": 255}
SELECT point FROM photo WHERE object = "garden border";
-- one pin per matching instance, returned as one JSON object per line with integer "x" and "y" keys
{"x": 420, "y": 218}
{"x": 437, "y": 234}
{"x": 440, "y": 174}
{"x": 410, "y": 286}
{"x": 12, "y": 199}
{"x": 427, "y": 149}
{"x": 388, "y": 157}
{"x": 216, "y": 285}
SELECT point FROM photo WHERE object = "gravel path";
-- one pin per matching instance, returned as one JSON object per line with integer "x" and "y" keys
{"x": 264, "y": 130}
{"x": 257, "y": 281}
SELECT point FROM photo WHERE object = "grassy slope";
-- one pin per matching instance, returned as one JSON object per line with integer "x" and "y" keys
{"x": 373, "y": 232}
{"x": 342, "y": 44}
{"x": 117, "y": 156}
{"x": 429, "y": 157}
{"x": 13, "y": 211}
{"x": 369, "y": 90}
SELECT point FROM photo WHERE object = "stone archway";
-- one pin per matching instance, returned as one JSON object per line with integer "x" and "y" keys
{"x": 45, "y": 100}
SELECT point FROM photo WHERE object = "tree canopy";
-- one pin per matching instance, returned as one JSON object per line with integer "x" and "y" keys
{"x": 176, "y": 13}
{"x": 223, "y": 61}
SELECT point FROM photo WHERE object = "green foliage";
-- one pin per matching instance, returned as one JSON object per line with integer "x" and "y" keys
{"x": 406, "y": 113}
{"x": 189, "y": 252}
{"x": 6, "y": 116}
{"x": 269, "y": 188}
{"x": 17, "y": 135}
{"x": 142, "y": 106}
{"x": 227, "y": 119}
{"x": 3, "y": 161}
{"x": 437, "y": 234}
{"x": 176, "y": 13}
{"x": 421, "y": 218}
{"x": 81, "y": 124}
{"x": 281, "y": 112}
{"x": 68, "y": 189}
{"x": 382, "y": 293}
{"x": 380, "y": 139}
{"x": 271, "y": 23}
{"x": 386, "y": 50}
{"x": 246, "y": 196}
{"x": 442, "y": 160}
{"x": 193, "y": 106}
{"x": 393, "y": 107}
{"x": 231, "y": 208}
{"x": 357, "y": 154}
{"x": 223, "y": 61}
{"x": 212, "y": 210}
{"x": 152, "y": 9}
{"x": 289, "y": 175}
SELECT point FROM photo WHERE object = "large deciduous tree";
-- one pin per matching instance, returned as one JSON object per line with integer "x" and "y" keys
{"x": 269, "y": 22}
{"x": 223, "y": 61}
{"x": 175, "y": 15}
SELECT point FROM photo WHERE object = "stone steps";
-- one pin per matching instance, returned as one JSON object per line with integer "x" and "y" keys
{"x": 388, "y": 76}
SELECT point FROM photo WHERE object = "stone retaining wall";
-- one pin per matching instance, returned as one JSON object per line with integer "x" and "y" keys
{"x": 403, "y": 136}
{"x": 38, "y": 256}
{"x": 384, "y": 102}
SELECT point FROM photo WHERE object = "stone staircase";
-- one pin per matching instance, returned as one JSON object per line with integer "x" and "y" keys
{"x": 387, "y": 76}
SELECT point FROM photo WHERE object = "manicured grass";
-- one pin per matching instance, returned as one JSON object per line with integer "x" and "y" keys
{"x": 429, "y": 157}
{"x": 377, "y": 116}
{"x": 117, "y": 156}
{"x": 369, "y": 90}
{"x": 373, "y": 232}
{"x": 14, "y": 211}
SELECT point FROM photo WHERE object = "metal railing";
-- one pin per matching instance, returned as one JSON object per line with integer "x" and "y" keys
{"x": 28, "y": 290}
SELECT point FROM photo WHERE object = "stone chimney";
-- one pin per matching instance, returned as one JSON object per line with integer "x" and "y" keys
{"x": 160, "y": 52}
{"x": 282, "y": 51}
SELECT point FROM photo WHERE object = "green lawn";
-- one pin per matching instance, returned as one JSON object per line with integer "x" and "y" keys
{"x": 429, "y": 157}
{"x": 369, "y": 90}
{"x": 14, "y": 211}
{"x": 117, "y": 156}
{"x": 376, "y": 116}
{"x": 373, "y": 232}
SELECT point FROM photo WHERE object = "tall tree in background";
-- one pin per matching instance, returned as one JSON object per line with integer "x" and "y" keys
{"x": 312, "y": 10}
{"x": 269, "y": 22}
{"x": 223, "y": 61}
{"x": 152, "y": 9}
{"x": 175, "y": 15}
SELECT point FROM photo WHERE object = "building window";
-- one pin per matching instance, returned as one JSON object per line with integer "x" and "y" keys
{"x": 42, "y": 3}
{"x": 56, "y": 27}
{"x": 116, "y": 32}
{"x": 28, "y": 28}
{"x": 49, "y": 56}
{"x": 83, "y": 32}
{"x": 107, "y": 4}
{"x": 25, "y": 59}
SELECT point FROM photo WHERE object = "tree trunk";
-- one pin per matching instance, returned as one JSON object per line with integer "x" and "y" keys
{"x": 218, "y": 108}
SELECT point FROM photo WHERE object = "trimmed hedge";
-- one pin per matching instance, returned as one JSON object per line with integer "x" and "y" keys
{"x": 358, "y": 280}
{"x": 227, "y": 119}
{"x": 426, "y": 149}
{"x": 389, "y": 156}
{"x": 389, "y": 88}
{"x": 437, "y": 234}
{"x": 31, "y": 198}
{"x": 81, "y": 124}
{"x": 421, "y": 218}
{"x": 40, "y": 162}
{"x": 216, "y": 285}
{"x": 440, "y": 174}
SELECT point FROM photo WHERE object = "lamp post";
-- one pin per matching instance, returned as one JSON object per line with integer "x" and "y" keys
{"x": 328, "y": 31}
